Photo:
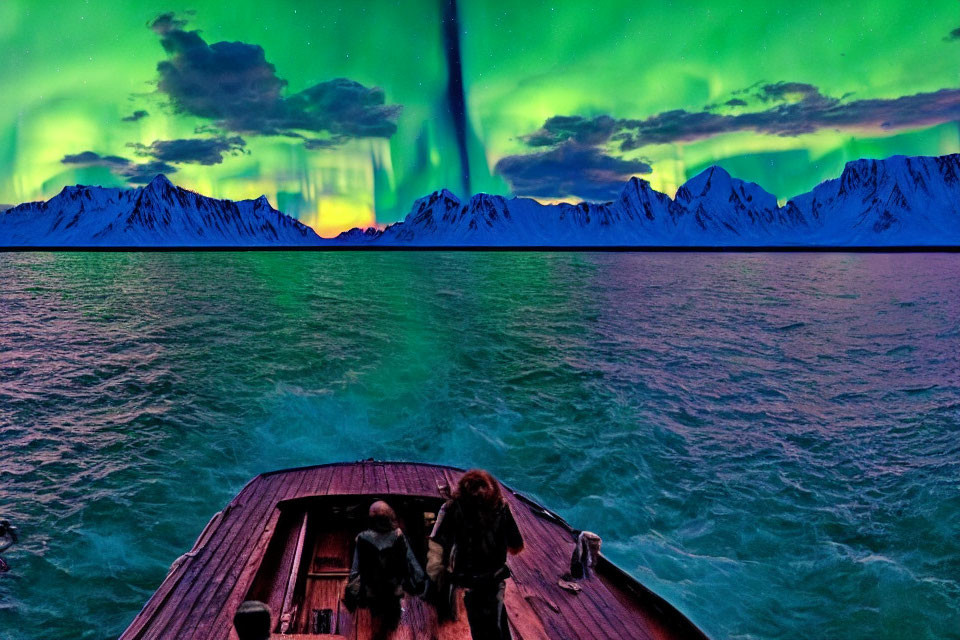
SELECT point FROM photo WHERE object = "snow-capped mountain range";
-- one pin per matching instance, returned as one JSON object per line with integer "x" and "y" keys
{"x": 899, "y": 201}
{"x": 156, "y": 215}
{"x": 904, "y": 201}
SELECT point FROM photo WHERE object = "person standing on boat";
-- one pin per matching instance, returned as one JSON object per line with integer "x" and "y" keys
{"x": 476, "y": 530}
{"x": 8, "y": 538}
{"x": 383, "y": 567}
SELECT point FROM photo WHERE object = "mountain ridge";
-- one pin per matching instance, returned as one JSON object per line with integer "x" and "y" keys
{"x": 896, "y": 201}
{"x": 159, "y": 214}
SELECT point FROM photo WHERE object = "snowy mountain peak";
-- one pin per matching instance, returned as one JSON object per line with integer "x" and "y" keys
{"x": 710, "y": 179}
{"x": 160, "y": 183}
{"x": 635, "y": 183}
{"x": 727, "y": 206}
{"x": 899, "y": 200}
{"x": 443, "y": 196}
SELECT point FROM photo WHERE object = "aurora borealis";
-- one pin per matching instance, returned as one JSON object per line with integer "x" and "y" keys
{"x": 343, "y": 113}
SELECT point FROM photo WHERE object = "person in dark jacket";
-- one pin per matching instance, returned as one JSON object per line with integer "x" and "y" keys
{"x": 383, "y": 568}
{"x": 474, "y": 531}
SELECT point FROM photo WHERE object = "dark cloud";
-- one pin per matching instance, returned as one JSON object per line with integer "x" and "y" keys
{"x": 953, "y": 35}
{"x": 166, "y": 22}
{"x": 585, "y": 131}
{"x": 787, "y": 109}
{"x": 227, "y": 81}
{"x": 161, "y": 154}
{"x": 133, "y": 172}
{"x": 569, "y": 169}
{"x": 578, "y": 162}
{"x": 136, "y": 115}
{"x": 233, "y": 84}
{"x": 792, "y": 91}
{"x": 94, "y": 159}
{"x": 207, "y": 151}
{"x": 807, "y": 115}
{"x": 147, "y": 171}
{"x": 344, "y": 108}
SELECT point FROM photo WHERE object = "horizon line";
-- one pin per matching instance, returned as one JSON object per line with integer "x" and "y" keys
{"x": 494, "y": 248}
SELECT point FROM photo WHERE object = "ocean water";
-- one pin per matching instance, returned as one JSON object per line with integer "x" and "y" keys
{"x": 770, "y": 441}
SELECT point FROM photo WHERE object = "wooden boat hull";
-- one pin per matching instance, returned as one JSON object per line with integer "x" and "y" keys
{"x": 285, "y": 539}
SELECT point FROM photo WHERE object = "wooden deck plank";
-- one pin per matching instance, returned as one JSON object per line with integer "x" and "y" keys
{"x": 421, "y": 481}
{"x": 239, "y": 588}
{"x": 543, "y": 570}
{"x": 381, "y": 479}
{"x": 345, "y": 480}
{"x": 272, "y": 591}
{"x": 400, "y": 480}
{"x": 202, "y": 630}
{"x": 575, "y": 608}
{"x": 239, "y": 527}
{"x": 235, "y": 552}
{"x": 195, "y": 568}
{"x": 315, "y": 484}
{"x": 248, "y": 550}
{"x": 527, "y": 625}
{"x": 530, "y": 568}
{"x": 541, "y": 564}
{"x": 174, "y": 576}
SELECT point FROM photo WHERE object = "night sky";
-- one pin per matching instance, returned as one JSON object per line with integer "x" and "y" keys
{"x": 343, "y": 113}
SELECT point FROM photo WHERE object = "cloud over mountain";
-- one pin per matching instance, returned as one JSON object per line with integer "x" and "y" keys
{"x": 233, "y": 84}
{"x": 582, "y": 156}
{"x": 588, "y": 131}
{"x": 132, "y": 172}
{"x": 795, "y": 109}
{"x": 206, "y": 151}
{"x": 569, "y": 169}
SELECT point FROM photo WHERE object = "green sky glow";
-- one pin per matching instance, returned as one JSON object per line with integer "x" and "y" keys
{"x": 72, "y": 70}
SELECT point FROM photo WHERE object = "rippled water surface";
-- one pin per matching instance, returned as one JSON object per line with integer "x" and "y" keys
{"x": 772, "y": 442}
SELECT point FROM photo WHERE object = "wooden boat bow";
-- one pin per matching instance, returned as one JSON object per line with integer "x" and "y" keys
{"x": 285, "y": 539}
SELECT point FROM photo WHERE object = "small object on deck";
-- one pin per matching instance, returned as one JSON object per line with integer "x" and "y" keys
{"x": 321, "y": 621}
{"x": 444, "y": 490}
{"x": 585, "y": 554}
{"x": 569, "y": 585}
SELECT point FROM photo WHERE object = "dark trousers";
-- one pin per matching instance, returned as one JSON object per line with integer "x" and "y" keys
{"x": 485, "y": 612}
{"x": 385, "y": 613}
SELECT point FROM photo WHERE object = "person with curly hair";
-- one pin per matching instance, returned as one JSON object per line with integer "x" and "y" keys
{"x": 474, "y": 532}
